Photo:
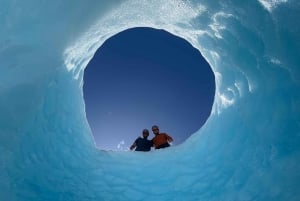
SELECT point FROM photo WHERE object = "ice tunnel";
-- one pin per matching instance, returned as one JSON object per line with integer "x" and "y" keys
{"x": 249, "y": 148}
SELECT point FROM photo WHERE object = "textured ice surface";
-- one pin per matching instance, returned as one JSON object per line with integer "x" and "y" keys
{"x": 249, "y": 149}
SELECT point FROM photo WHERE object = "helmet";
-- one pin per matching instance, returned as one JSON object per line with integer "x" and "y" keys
{"x": 155, "y": 126}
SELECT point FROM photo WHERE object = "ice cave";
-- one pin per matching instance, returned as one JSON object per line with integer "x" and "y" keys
{"x": 249, "y": 148}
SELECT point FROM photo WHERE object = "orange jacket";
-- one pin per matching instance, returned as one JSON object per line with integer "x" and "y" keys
{"x": 161, "y": 138}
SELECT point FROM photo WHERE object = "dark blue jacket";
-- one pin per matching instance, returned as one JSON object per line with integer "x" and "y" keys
{"x": 143, "y": 144}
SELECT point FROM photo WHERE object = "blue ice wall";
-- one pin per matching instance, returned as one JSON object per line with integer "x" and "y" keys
{"x": 249, "y": 149}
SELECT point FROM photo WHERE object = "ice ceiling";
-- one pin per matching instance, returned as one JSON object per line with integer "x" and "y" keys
{"x": 248, "y": 149}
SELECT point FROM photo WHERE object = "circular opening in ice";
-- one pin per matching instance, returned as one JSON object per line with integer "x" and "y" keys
{"x": 141, "y": 77}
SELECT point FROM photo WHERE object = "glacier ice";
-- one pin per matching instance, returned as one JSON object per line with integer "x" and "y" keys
{"x": 249, "y": 149}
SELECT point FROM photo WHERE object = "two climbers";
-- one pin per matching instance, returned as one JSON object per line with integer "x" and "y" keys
{"x": 160, "y": 140}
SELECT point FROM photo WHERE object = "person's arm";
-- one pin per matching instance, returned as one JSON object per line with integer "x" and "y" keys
{"x": 169, "y": 138}
{"x": 133, "y": 146}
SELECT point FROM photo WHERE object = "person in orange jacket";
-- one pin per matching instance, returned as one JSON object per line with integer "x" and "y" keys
{"x": 161, "y": 140}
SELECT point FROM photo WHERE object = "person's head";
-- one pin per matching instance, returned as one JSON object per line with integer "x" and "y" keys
{"x": 155, "y": 130}
{"x": 145, "y": 133}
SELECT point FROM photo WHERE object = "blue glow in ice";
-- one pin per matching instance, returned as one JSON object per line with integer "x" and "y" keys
{"x": 249, "y": 149}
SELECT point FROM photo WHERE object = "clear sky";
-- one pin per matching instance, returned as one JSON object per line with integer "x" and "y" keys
{"x": 141, "y": 77}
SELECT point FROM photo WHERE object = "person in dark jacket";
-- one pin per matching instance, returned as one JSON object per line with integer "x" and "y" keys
{"x": 142, "y": 144}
